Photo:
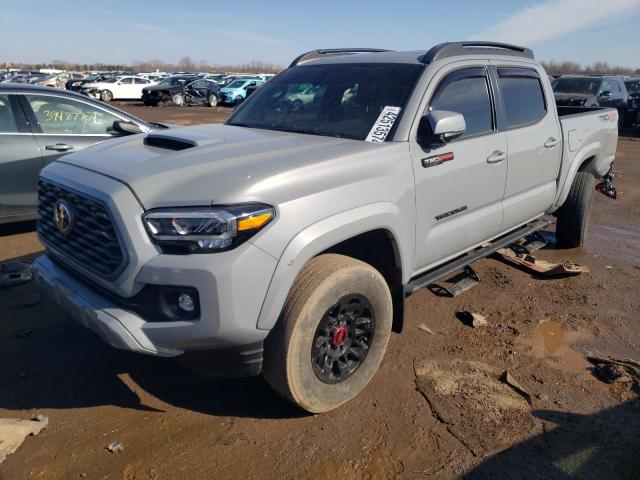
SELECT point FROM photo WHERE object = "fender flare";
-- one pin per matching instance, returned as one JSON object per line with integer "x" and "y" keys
{"x": 589, "y": 151}
{"x": 324, "y": 234}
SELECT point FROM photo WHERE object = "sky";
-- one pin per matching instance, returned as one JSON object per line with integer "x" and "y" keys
{"x": 240, "y": 31}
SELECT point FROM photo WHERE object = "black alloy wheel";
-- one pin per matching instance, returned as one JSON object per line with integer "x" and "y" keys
{"x": 343, "y": 338}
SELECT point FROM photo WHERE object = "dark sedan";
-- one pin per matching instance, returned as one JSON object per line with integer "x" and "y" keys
{"x": 39, "y": 125}
{"x": 180, "y": 91}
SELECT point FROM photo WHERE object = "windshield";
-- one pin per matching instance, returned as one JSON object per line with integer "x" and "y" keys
{"x": 171, "y": 81}
{"x": 577, "y": 85}
{"x": 333, "y": 100}
{"x": 237, "y": 84}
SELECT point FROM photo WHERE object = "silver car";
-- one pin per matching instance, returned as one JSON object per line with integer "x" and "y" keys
{"x": 39, "y": 125}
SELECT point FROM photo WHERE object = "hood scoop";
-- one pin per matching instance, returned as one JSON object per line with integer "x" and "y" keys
{"x": 168, "y": 142}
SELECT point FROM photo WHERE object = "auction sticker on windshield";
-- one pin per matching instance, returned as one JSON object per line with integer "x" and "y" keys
{"x": 383, "y": 124}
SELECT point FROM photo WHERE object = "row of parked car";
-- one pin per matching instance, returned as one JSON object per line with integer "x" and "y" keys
{"x": 601, "y": 91}
{"x": 153, "y": 89}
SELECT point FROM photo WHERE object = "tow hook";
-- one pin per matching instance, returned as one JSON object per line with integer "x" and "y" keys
{"x": 606, "y": 186}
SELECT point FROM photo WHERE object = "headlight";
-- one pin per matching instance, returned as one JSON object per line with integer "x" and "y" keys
{"x": 206, "y": 229}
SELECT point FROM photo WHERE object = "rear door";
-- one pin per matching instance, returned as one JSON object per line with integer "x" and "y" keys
{"x": 63, "y": 125}
{"x": 534, "y": 143}
{"x": 20, "y": 162}
{"x": 125, "y": 88}
{"x": 459, "y": 185}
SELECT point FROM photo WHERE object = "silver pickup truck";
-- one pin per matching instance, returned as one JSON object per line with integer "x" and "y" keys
{"x": 285, "y": 241}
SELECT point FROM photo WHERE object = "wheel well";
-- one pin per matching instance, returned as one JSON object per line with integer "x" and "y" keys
{"x": 585, "y": 166}
{"x": 379, "y": 249}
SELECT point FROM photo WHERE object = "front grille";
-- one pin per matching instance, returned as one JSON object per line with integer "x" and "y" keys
{"x": 92, "y": 243}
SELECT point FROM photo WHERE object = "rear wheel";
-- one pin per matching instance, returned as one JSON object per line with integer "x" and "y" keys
{"x": 106, "y": 96}
{"x": 332, "y": 335}
{"x": 573, "y": 215}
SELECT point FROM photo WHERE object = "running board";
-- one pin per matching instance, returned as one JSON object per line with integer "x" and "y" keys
{"x": 432, "y": 276}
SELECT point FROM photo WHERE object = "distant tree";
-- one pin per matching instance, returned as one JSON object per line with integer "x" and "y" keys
{"x": 186, "y": 64}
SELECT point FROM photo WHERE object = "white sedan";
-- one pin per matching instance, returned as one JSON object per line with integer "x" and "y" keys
{"x": 115, "y": 88}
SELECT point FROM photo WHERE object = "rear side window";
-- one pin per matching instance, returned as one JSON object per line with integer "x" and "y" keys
{"x": 466, "y": 91}
{"x": 522, "y": 95}
{"x": 7, "y": 119}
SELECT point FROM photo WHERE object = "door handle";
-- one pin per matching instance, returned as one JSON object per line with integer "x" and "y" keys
{"x": 59, "y": 147}
{"x": 496, "y": 157}
{"x": 551, "y": 142}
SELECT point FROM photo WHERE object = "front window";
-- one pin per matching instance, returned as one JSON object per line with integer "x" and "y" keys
{"x": 332, "y": 100}
{"x": 110, "y": 80}
{"x": 589, "y": 86}
{"x": 57, "y": 115}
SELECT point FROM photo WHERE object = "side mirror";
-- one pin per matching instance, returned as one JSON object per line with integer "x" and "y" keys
{"x": 605, "y": 93}
{"x": 440, "y": 127}
{"x": 126, "y": 128}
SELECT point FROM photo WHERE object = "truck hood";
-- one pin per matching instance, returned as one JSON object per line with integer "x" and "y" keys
{"x": 214, "y": 158}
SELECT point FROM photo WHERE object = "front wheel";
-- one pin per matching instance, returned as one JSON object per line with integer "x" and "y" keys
{"x": 213, "y": 100}
{"x": 573, "y": 215}
{"x": 332, "y": 334}
{"x": 178, "y": 100}
{"x": 106, "y": 96}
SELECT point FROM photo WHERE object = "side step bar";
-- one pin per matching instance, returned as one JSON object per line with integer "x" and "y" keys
{"x": 432, "y": 276}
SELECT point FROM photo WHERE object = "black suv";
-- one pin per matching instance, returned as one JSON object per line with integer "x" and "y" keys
{"x": 182, "y": 90}
{"x": 592, "y": 91}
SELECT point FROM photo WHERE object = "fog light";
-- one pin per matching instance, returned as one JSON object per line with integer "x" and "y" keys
{"x": 186, "y": 303}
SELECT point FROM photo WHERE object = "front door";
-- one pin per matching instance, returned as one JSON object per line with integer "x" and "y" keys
{"x": 65, "y": 125}
{"x": 459, "y": 185}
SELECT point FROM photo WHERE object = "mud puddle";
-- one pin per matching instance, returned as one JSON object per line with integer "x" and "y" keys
{"x": 605, "y": 240}
{"x": 554, "y": 344}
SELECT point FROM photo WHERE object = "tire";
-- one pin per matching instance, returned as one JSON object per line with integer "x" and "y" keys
{"x": 177, "y": 100}
{"x": 106, "y": 95}
{"x": 213, "y": 100}
{"x": 323, "y": 287}
{"x": 573, "y": 215}
{"x": 297, "y": 105}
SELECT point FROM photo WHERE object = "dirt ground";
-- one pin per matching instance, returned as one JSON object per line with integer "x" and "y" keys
{"x": 436, "y": 408}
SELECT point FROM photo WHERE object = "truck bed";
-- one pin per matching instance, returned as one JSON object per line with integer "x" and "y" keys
{"x": 589, "y": 140}
{"x": 577, "y": 111}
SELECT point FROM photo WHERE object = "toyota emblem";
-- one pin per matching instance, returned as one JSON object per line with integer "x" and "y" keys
{"x": 63, "y": 216}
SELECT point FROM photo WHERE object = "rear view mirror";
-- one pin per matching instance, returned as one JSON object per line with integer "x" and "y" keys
{"x": 440, "y": 127}
{"x": 126, "y": 128}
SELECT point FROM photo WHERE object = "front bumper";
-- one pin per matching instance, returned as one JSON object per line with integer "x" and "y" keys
{"x": 113, "y": 324}
{"x": 230, "y": 302}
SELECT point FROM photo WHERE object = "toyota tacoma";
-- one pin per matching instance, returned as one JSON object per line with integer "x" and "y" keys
{"x": 285, "y": 241}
